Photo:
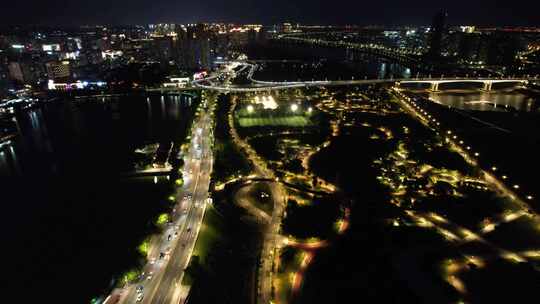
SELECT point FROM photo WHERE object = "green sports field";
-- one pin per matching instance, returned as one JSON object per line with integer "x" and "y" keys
{"x": 287, "y": 121}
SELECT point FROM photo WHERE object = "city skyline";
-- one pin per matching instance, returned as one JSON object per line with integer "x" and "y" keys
{"x": 273, "y": 157}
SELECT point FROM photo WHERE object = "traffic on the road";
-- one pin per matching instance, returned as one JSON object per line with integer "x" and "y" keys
{"x": 170, "y": 253}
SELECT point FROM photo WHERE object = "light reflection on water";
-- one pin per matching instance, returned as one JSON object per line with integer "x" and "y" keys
{"x": 64, "y": 126}
{"x": 488, "y": 101}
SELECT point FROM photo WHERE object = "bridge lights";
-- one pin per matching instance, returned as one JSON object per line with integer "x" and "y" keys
{"x": 468, "y": 148}
{"x": 504, "y": 177}
{"x": 494, "y": 168}
{"x": 529, "y": 197}
{"x": 516, "y": 186}
{"x": 449, "y": 132}
{"x": 476, "y": 154}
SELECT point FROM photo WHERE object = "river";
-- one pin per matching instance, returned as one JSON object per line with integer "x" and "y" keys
{"x": 502, "y": 100}
{"x": 71, "y": 222}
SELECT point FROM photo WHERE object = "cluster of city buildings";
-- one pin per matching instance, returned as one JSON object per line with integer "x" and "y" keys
{"x": 89, "y": 56}
{"x": 468, "y": 46}
{"x": 94, "y": 57}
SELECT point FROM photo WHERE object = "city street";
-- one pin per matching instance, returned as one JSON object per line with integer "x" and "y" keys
{"x": 169, "y": 258}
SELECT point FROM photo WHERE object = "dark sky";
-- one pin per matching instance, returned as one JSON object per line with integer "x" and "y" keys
{"x": 479, "y": 12}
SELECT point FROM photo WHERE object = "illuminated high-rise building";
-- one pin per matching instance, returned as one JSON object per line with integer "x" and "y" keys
{"x": 163, "y": 47}
{"x": 286, "y": 27}
{"x": 438, "y": 29}
{"x": 195, "y": 45}
{"x": 58, "y": 70}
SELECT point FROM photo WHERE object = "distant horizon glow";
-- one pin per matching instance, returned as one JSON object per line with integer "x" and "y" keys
{"x": 312, "y": 12}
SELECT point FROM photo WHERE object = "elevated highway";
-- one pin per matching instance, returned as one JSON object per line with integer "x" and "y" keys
{"x": 213, "y": 82}
{"x": 258, "y": 86}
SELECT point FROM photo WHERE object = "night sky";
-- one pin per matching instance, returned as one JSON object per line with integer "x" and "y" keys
{"x": 399, "y": 12}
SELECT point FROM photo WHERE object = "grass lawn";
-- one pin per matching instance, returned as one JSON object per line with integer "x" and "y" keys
{"x": 209, "y": 234}
{"x": 517, "y": 235}
{"x": 290, "y": 260}
{"x": 262, "y": 200}
{"x": 289, "y": 121}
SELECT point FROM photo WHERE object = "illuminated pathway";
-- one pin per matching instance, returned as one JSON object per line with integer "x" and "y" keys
{"x": 278, "y": 194}
{"x": 459, "y": 235}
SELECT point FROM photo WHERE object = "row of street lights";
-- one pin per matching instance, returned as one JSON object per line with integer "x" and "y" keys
{"x": 294, "y": 108}
{"x": 452, "y": 137}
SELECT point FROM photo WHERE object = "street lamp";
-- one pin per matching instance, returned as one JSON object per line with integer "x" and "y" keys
{"x": 250, "y": 109}
{"x": 294, "y": 107}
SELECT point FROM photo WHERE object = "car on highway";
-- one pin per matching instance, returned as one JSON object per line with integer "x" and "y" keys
{"x": 139, "y": 289}
{"x": 150, "y": 275}
{"x": 140, "y": 296}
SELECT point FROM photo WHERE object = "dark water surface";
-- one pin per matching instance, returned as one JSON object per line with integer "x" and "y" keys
{"x": 70, "y": 221}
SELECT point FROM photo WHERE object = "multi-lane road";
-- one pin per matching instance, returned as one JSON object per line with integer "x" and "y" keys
{"x": 170, "y": 253}
{"x": 214, "y": 83}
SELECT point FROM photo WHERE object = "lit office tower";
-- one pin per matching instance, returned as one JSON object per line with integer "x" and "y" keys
{"x": 203, "y": 51}
{"x": 195, "y": 47}
{"x": 23, "y": 72}
{"x": 438, "y": 28}
{"x": 4, "y": 72}
{"x": 286, "y": 27}
{"x": 58, "y": 70}
{"x": 163, "y": 47}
